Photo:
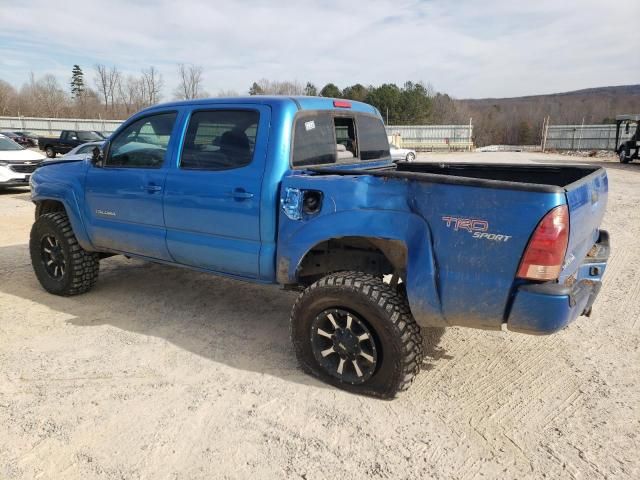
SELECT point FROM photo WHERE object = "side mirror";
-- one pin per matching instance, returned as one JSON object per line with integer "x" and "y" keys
{"x": 97, "y": 157}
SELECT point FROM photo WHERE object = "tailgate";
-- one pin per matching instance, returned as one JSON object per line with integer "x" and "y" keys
{"x": 587, "y": 201}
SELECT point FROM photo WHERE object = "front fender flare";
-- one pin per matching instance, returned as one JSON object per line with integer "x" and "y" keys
{"x": 66, "y": 195}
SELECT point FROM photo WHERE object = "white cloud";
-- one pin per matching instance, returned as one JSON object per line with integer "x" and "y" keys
{"x": 466, "y": 48}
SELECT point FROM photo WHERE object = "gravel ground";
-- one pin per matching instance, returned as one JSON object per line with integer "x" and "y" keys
{"x": 167, "y": 373}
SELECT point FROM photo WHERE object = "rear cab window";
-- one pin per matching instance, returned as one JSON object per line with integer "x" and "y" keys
{"x": 329, "y": 137}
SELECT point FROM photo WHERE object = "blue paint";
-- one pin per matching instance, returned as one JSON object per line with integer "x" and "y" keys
{"x": 247, "y": 222}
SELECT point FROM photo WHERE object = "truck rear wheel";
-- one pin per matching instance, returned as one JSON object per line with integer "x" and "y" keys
{"x": 62, "y": 266}
{"x": 353, "y": 331}
{"x": 50, "y": 152}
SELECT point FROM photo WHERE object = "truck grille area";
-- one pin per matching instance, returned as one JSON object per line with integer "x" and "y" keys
{"x": 24, "y": 168}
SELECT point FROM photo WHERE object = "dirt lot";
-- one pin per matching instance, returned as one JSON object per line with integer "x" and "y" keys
{"x": 166, "y": 373}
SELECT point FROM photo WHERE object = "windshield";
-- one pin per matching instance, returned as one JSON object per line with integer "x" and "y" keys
{"x": 7, "y": 144}
{"x": 88, "y": 136}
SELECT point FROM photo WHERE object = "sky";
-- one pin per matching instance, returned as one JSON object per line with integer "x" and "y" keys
{"x": 468, "y": 49}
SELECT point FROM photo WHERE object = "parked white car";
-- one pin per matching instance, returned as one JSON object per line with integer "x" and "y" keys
{"x": 402, "y": 154}
{"x": 16, "y": 163}
{"x": 81, "y": 151}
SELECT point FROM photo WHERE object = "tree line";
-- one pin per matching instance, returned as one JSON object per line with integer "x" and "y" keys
{"x": 111, "y": 94}
{"x": 413, "y": 103}
{"x": 107, "y": 92}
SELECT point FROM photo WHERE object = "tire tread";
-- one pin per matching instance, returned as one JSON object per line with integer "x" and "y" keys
{"x": 398, "y": 314}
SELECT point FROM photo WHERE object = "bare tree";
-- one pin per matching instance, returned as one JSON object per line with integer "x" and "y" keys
{"x": 190, "y": 82}
{"x": 107, "y": 80}
{"x": 276, "y": 87}
{"x": 8, "y": 97}
{"x": 228, "y": 93}
{"x": 152, "y": 86}
{"x": 102, "y": 83}
{"x": 43, "y": 97}
{"x": 130, "y": 93}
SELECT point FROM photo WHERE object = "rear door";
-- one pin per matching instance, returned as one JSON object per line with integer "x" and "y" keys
{"x": 124, "y": 197}
{"x": 212, "y": 197}
{"x": 587, "y": 201}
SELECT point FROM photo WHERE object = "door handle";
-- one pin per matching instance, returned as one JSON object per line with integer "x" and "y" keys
{"x": 241, "y": 194}
{"x": 152, "y": 188}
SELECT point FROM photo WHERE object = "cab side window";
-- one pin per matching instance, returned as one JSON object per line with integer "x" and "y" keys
{"x": 220, "y": 140}
{"x": 143, "y": 144}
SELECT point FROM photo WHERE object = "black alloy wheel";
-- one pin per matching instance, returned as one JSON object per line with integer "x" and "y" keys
{"x": 53, "y": 257}
{"x": 344, "y": 346}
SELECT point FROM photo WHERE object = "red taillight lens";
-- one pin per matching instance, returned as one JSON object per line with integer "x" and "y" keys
{"x": 545, "y": 253}
{"x": 341, "y": 104}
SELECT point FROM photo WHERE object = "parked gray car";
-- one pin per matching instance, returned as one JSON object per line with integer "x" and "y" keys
{"x": 402, "y": 154}
{"x": 82, "y": 151}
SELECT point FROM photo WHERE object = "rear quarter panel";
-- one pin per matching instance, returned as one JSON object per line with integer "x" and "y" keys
{"x": 454, "y": 277}
{"x": 477, "y": 261}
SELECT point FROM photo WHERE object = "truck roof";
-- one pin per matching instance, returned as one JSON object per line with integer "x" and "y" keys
{"x": 295, "y": 102}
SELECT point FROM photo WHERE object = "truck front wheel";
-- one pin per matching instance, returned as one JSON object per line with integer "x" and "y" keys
{"x": 353, "y": 331}
{"x": 623, "y": 156}
{"x": 62, "y": 266}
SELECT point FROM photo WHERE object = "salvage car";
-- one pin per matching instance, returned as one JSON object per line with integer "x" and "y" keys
{"x": 302, "y": 193}
{"x": 16, "y": 163}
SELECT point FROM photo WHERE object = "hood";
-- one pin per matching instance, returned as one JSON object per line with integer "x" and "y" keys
{"x": 60, "y": 160}
{"x": 70, "y": 156}
{"x": 25, "y": 155}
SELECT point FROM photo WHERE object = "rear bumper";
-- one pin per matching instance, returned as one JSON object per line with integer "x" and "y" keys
{"x": 545, "y": 308}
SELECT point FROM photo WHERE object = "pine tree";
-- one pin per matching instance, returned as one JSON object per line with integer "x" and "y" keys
{"x": 256, "y": 89}
{"x": 77, "y": 82}
{"x": 310, "y": 90}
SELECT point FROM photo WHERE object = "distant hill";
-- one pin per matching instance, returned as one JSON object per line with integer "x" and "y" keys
{"x": 597, "y": 91}
{"x": 518, "y": 120}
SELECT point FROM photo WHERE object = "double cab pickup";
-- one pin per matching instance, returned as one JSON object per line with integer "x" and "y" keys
{"x": 302, "y": 192}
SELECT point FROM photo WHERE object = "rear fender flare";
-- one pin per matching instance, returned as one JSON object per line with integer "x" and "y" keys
{"x": 409, "y": 229}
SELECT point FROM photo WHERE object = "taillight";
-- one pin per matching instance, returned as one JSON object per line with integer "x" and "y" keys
{"x": 545, "y": 253}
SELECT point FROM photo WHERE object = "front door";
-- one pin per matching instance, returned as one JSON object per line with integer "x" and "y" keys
{"x": 212, "y": 197}
{"x": 124, "y": 196}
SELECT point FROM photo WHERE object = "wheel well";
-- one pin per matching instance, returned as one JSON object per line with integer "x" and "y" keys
{"x": 48, "y": 206}
{"x": 376, "y": 256}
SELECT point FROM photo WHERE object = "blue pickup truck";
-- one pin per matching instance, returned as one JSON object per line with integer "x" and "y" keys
{"x": 301, "y": 192}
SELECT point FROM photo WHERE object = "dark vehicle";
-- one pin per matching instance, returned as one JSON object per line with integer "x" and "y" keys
{"x": 68, "y": 140}
{"x": 628, "y": 149}
{"x": 20, "y": 138}
{"x": 29, "y": 135}
{"x": 302, "y": 192}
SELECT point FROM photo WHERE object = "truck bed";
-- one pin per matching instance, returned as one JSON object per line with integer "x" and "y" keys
{"x": 540, "y": 178}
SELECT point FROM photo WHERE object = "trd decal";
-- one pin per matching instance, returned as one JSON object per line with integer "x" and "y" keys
{"x": 468, "y": 224}
{"x": 476, "y": 227}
